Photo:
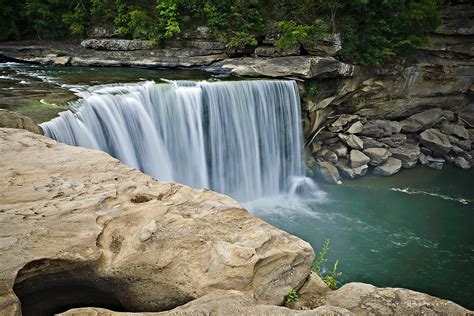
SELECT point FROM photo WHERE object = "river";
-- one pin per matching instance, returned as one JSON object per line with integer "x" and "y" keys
{"x": 412, "y": 230}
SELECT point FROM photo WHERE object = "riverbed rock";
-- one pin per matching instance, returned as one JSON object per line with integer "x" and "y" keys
{"x": 70, "y": 213}
{"x": 358, "y": 158}
{"x": 327, "y": 172}
{"x": 330, "y": 156}
{"x": 369, "y": 142}
{"x": 389, "y": 167}
{"x": 395, "y": 140}
{"x": 344, "y": 119}
{"x": 421, "y": 121}
{"x": 15, "y": 120}
{"x": 340, "y": 150}
{"x": 355, "y": 128}
{"x": 436, "y": 141}
{"x": 377, "y": 155}
{"x": 408, "y": 154}
{"x": 456, "y": 130}
{"x": 461, "y": 162}
{"x": 345, "y": 170}
{"x": 352, "y": 141}
{"x": 380, "y": 128}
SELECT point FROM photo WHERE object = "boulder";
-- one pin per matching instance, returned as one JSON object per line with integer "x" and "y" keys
{"x": 471, "y": 134}
{"x": 461, "y": 162}
{"x": 395, "y": 140}
{"x": 358, "y": 158}
{"x": 389, "y": 167}
{"x": 465, "y": 144}
{"x": 361, "y": 171}
{"x": 432, "y": 162}
{"x": 344, "y": 119}
{"x": 377, "y": 155}
{"x": 340, "y": 150}
{"x": 325, "y": 171}
{"x": 366, "y": 299}
{"x": 355, "y": 128}
{"x": 421, "y": 121}
{"x": 331, "y": 157}
{"x": 380, "y": 128}
{"x": 467, "y": 118}
{"x": 80, "y": 215}
{"x": 345, "y": 170}
{"x": 408, "y": 154}
{"x": 369, "y": 142}
{"x": 14, "y": 120}
{"x": 436, "y": 141}
{"x": 352, "y": 141}
{"x": 456, "y": 130}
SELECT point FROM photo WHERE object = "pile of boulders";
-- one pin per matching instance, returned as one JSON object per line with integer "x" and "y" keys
{"x": 350, "y": 146}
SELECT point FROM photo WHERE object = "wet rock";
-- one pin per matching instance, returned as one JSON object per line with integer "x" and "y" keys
{"x": 15, "y": 120}
{"x": 389, "y": 167}
{"x": 467, "y": 118}
{"x": 436, "y": 141}
{"x": 432, "y": 162}
{"x": 380, "y": 128}
{"x": 340, "y": 150}
{"x": 461, "y": 162}
{"x": 421, "y": 121}
{"x": 361, "y": 171}
{"x": 355, "y": 128}
{"x": 345, "y": 170}
{"x": 377, "y": 155}
{"x": 465, "y": 144}
{"x": 330, "y": 141}
{"x": 352, "y": 141}
{"x": 358, "y": 158}
{"x": 395, "y": 140}
{"x": 408, "y": 154}
{"x": 327, "y": 172}
{"x": 369, "y": 142}
{"x": 331, "y": 157}
{"x": 325, "y": 135}
{"x": 449, "y": 115}
{"x": 456, "y": 130}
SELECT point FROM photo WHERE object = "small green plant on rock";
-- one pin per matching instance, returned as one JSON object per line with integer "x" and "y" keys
{"x": 293, "y": 296}
{"x": 330, "y": 279}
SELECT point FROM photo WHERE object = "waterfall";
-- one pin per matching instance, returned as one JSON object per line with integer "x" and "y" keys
{"x": 240, "y": 138}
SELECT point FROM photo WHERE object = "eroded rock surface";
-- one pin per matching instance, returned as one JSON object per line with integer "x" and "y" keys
{"x": 79, "y": 217}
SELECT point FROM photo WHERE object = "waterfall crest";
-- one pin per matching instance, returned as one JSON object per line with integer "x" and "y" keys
{"x": 240, "y": 138}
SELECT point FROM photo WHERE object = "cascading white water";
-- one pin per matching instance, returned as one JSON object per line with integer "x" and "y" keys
{"x": 241, "y": 138}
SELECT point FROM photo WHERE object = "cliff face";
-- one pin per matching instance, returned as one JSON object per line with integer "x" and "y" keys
{"x": 441, "y": 77}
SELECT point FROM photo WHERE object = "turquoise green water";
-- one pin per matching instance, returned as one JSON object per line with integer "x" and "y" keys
{"x": 412, "y": 230}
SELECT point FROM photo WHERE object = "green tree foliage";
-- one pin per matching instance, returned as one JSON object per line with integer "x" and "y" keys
{"x": 373, "y": 31}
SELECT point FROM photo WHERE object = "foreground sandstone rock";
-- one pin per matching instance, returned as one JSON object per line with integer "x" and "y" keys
{"x": 14, "y": 120}
{"x": 73, "y": 219}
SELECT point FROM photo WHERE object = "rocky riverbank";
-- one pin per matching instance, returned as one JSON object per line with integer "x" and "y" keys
{"x": 76, "y": 223}
{"x": 348, "y": 146}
